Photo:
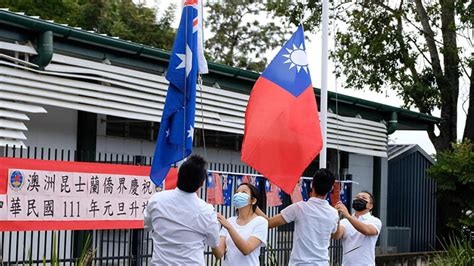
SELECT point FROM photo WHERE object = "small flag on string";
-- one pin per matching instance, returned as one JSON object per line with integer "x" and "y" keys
{"x": 305, "y": 190}
{"x": 345, "y": 193}
{"x": 333, "y": 196}
{"x": 297, "y": 194}
{"x": 273, "y": 194}
{"x": 238, "y": 180}
{"x": 227, "y": 189}
{"x": 214, "y": 189}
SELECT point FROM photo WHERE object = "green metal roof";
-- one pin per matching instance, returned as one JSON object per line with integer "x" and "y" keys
{"x": 227, "y": 77}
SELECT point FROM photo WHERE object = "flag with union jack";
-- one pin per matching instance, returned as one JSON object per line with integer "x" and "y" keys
{"x": 175, "y": 138}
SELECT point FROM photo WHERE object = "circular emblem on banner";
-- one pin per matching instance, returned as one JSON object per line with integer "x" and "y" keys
{"x": 16, "y": 180}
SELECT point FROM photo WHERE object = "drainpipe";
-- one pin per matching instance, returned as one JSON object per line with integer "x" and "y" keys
{"x": 392, "y": 123}
{"x": 44, "y": 48}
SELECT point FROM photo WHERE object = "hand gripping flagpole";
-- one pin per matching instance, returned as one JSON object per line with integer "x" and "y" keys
{"x": 324, "y": 82}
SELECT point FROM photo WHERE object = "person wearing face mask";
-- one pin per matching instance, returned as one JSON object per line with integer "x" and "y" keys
{"x": 315, "y": 222}
{"x": 359, "y": 231}
{"x": 242, "y": 236}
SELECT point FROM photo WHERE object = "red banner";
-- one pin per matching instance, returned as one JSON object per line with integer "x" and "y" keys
{"x": 55, "y": 195}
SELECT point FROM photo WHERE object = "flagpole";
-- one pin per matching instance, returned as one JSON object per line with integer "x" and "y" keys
{"x": 324, "y": 82}
{"x": 185, "y": 82}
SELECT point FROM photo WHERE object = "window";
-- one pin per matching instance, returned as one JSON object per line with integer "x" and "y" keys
{"x": 130, "y": 128}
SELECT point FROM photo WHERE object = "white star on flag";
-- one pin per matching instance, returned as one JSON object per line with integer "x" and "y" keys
{"x": 168, "y": 132}
{"x": 186, "y": 60}
{"x": 191, "y": 132}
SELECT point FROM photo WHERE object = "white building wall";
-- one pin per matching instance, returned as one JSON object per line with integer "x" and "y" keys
{"x": 56, "y": 129}
{"x": 220, "y": 156}
{"x": 129, "y": 146}
{"x": 361, "y": 167}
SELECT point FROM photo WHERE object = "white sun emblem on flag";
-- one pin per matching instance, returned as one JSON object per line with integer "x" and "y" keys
{"x": 297, "y": 58}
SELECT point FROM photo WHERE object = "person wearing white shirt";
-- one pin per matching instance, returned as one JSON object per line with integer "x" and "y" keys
{"x": 181, "y": 223}
{"x": 359, "y": 232}
{"x": 242, "y": 236}
{"x": 315, "y": 222}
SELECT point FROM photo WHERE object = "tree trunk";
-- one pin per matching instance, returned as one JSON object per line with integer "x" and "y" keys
{"x": 448, "y": 86}
{"x": 469, "y": 129}
{"x": 448, "y": 82}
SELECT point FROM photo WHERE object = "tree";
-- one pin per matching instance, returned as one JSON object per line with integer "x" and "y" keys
{"x": 240, "y": 37}
{"x": 454, "y": 175}
{"x": 408, "y": 46}
{"x": 411, "y": 47}
{"x": 121, "y": 19}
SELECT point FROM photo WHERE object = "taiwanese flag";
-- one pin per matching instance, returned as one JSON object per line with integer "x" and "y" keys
{"x": 214, "y": 189}
{"x": 171, "y": 179}
{"x": 273, "y": 194}
{"x": 297, "y": 195}
{"x": 333, "y": 197}
{"x": 282, "y": 132}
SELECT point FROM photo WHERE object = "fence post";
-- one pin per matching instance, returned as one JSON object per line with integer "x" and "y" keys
{"x": 136, "y": 250}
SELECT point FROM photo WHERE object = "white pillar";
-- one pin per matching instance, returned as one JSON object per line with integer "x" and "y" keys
{"x": 324, "y": 82}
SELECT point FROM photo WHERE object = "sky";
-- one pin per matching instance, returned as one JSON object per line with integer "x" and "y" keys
{"x": 313, "y": 50}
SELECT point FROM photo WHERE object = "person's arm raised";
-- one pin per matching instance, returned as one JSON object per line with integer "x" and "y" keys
{"x": 365, "y": 229}
{"x": 245, "y": 246}
{"x": 273, "y": 221}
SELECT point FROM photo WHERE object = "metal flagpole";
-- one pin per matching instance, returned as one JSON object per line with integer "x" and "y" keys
{"x": 324, "y": 82}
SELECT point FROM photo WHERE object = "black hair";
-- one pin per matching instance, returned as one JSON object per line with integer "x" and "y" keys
{"x": 323, "y": 180}
{"x": 370, "y": 196}
{"x": 253, "y": 194}
{"x": 192, "y": 173}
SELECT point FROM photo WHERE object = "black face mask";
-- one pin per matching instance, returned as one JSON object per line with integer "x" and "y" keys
{"x": 359, "y": 204}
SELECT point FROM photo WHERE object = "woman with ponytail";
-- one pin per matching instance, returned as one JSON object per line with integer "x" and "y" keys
{"x": 242, "y": 236}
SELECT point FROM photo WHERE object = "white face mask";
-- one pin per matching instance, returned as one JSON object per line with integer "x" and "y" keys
{"x": 241, "y": 200}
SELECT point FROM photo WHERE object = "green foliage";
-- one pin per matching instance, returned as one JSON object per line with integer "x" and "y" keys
{"x": 454, "y": 175}
{"x": 120, "y": 18}
{"x": 377, "y": 51}
{"x": 87, "y": 254}
{"x": 57, "y": 10}
{"x": 240, "y": 37}
{"x": 308, "y": 12}
{"x": 406, "y": 46}
{"x": 411, "y": 47}
{"x": 457, "y": 253}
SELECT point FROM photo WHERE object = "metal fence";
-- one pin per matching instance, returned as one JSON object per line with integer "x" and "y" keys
{"x": 123, "y": 246}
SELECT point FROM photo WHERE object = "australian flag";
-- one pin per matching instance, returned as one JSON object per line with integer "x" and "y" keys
{"x": 345, "y": 193}
{"x": 175, "y": 137}
{"x": 227, "y": 189}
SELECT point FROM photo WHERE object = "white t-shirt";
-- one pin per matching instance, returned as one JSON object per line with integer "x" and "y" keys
{"x": 359, "y": 249}
{"x": 315, "y": 221}
{"x": 257, "y": 227}
{"x": 182, "y": 225}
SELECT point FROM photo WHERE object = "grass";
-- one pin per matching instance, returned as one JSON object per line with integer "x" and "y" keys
{"x": 87, "y": 254}
{"x": 456, "y": 252}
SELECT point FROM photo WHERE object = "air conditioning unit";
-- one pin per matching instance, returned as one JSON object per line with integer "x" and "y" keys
{"x": 398, "y": 239}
